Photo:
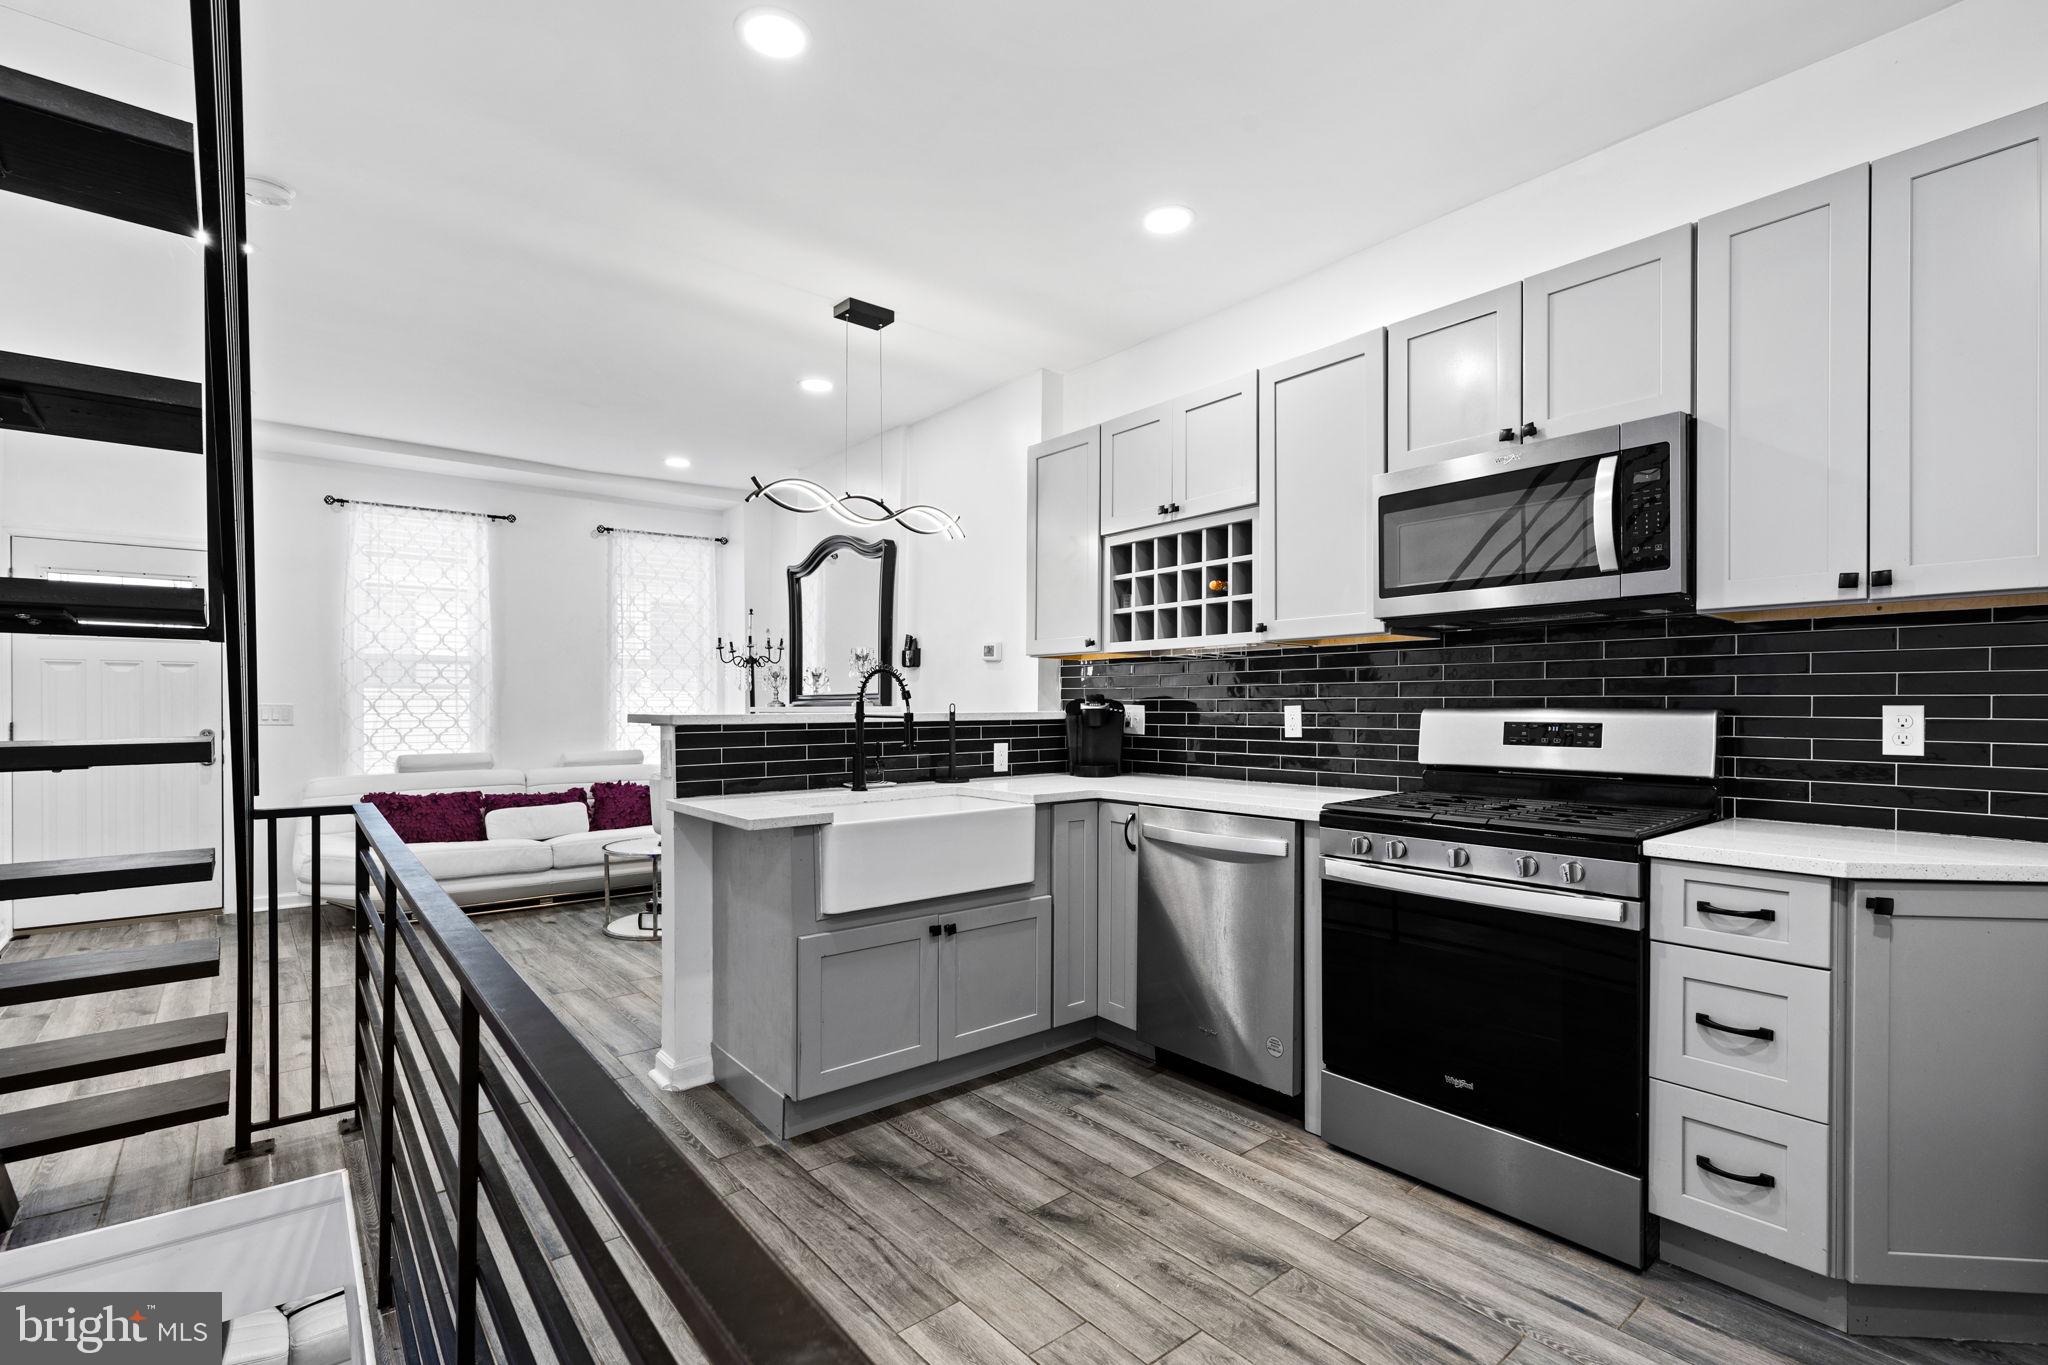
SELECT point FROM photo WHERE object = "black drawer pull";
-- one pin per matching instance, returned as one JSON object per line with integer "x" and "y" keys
{"x": 1708, "y": 908}
{"x": 1762, "y": 1035}
{"x": 952, "y": 929}
{"x": 1762, "y": 1182}
{"x": 934, "y": 930}
{"x": 1878, "y": 905}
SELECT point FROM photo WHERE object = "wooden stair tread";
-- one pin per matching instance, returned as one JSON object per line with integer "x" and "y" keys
{"x": 86, "y": 151}
{"x": 116, "y": 969}
{"x": 93, "y": 403}
{"x": 66, "y": 755}
{"x": 106, "y": 872}
{"x": 58, "y": 1061}
{"x": 117, "y": 1114}
{"x": 48, "y": 607}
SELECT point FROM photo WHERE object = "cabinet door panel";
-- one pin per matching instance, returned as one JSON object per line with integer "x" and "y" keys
{"x": 1783, "y": 430}
{"x": 995, "y": 975}
{"x": 866, "y": 1004}
{"x": 1075, "y": 928}
{"x": 1217, "y": 460}
{"x": 1608, "y": 339}
{"x": 1948, "y": 1086}
{"x": 1322, "y": 438}
{"x": 1454, "y": 379}
{"x": 1137, "y": 468}
{"x": 1117, "y": 911}
{"x": 1959, "y": 372}
{"x": 1063, "y": 519}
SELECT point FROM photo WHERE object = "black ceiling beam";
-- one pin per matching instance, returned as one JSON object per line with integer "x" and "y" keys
{"x": 92, "y": 403}
{"x": 86, "y": 151}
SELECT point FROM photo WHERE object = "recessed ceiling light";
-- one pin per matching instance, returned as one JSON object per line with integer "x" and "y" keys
{"x": 271, "y": 194}
{"x": 815, "y": 384}
{"x": 773, "y": 33}
{"x": 1168, "y": 219}
{"x": 677, "y": 462}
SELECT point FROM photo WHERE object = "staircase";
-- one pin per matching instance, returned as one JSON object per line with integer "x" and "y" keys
{"x": 97, "y": 155}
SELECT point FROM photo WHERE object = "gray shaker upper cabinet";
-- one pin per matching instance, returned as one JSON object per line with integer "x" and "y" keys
{"x": 1783, "y": 421}
{"x": 1189, "y": 457}
{"x": 1063, "y": 543}
{"x": 1454, "y": 380}
{"x": 1948, "y": 1086}
{"x": 1322, "y": 438}
{"x": 1958, "y": 368}
{"x": 1608, "y": 339}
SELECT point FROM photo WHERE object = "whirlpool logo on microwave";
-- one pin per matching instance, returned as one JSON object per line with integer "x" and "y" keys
{"x": 45, "y": 1328}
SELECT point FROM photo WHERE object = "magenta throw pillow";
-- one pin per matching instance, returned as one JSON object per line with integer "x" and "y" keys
{"x": 432, "y": 817}
{"x": 620, "y": 805}
{"x": 508, "y": 800}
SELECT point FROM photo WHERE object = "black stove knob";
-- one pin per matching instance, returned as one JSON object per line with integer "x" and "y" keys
{"x": 1397, "y": 848}
{"x": 1457, "y": 857}
{"x": 1572, "y": 872}
{"x": 1526, "y": 866}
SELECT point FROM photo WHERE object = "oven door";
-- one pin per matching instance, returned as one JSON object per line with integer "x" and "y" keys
{"x": 1514, "y": 1007}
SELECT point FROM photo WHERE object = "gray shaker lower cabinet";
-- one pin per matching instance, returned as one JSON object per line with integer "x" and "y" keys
{"x": 1948, "y": 1086}
{"x": 1116, "y": 911}
{"x": 995, "y": 975}
{"x": 867, "y": 1003}
{"x": 1074, "y": 890}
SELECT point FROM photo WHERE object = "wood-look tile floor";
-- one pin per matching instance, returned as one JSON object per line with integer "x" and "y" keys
{"x": 1086, "y": 1209}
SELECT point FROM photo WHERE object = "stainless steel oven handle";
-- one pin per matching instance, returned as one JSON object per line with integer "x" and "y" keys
{"x": 1220, "y": 843}
{"x": 1562, "y": 904}
{"x": 1603, "y": 514}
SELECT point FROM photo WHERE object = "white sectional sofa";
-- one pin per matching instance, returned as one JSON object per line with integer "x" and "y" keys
{"x": 486, "y": 871}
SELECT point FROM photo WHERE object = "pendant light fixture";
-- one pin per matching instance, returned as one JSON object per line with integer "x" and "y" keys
{"x": 858, "y": 509}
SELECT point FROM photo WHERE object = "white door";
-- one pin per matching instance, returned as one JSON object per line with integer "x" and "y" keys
{"x": 1454, "y": 380}
{"x": 1608, "y": 339}
{"x": 1958, "y": 363}
{"x": 1216, "y": 464}
{"x": 1063, "y": 513}
{"x": 81, "y": 687}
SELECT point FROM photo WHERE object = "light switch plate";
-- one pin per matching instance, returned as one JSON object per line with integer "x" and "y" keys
{"x": 1134, "y": 718}
{"x": 1290, "y": 717}
{"x": 1905, "y": 731}
{"x": 1002, "y": 756}
{"x": 274, "y": 713}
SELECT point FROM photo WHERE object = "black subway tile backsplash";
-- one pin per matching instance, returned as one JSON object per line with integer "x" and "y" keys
{"x": 1800, "y": 702}
{"x": 729, "y": 759}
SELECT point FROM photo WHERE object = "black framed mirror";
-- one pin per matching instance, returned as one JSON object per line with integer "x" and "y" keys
{"x": 842, "y": 597}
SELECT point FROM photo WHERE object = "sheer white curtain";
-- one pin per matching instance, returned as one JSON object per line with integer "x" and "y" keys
{"x": 664, "y": 631}
{"x": 416, "y": 653}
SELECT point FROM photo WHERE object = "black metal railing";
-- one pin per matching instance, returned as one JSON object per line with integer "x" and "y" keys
{"x": 462, "y": 1073}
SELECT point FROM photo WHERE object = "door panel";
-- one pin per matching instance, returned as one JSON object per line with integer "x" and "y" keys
{"x": 1454, "y": 379}
{"x": 1064, "y": 517}
{"x": 1075, "y": 879}
{"x": 1783, "y": 430}
{"x": 1322, "y": 438}
{"x": 866, "y": 1004}
{"x": 1608, "y": 339}
{"x": 1137, "y": 468}
{"x": 995, "y": 975}
{"x": 1217, "y": 464}
{"x": 1117, "y": 908}
{"x": 1959, "y": 371}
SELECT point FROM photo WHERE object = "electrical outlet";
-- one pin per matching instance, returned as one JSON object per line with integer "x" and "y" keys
{"x": 1002, "y": 756}
{"x": 1290, "y": 717}
{"x": 992, "y": 653}
{"x": 1134, "y": 718}
{"x": 274, "y": 713}
{"x": 1905, "y": 731}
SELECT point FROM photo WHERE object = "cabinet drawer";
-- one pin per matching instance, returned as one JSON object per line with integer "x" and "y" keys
{"x": 1700, "y": 1142}
{"x": 1777, "y": 915}
{"x": 1698, "y": 1002}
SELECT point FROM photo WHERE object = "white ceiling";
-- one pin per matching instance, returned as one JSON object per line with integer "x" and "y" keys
{"x": 594, "y": 235}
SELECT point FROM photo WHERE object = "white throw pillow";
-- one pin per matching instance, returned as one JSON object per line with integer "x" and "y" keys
{"x": 319, "y": 1332}
{"x": 537, "y": 822}
{"x": 258, "y": 1338}
{"x": 440, "y": 763}
{"x": 602, "y": 758}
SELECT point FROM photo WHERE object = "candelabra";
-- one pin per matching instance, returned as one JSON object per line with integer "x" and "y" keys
{"x": 729, "y": 652}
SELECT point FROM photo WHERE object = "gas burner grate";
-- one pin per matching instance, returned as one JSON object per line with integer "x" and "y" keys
{"x": 1533, "y": 814}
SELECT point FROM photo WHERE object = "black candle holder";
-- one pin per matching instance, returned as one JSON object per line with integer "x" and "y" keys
{"x": 770, "y": 654}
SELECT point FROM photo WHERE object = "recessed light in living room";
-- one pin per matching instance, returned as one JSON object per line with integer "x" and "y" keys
{"x": 815, "y": 384}
{"x": 773, "y": 33}
{"x": 677, "y": 462}
{"x": 1168, "y": 219}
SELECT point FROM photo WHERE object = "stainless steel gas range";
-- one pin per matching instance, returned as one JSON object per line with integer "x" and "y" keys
{"x": 1485, "y": 961}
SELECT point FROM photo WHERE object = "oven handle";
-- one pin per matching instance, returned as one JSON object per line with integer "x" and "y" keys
{"x": 1603, "y": 514}
{"x": 1562, "y": 904}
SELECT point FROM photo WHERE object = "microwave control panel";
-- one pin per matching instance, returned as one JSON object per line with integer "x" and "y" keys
{"x": 1643, "y": 508}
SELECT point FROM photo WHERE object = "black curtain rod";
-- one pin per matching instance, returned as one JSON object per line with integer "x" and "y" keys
{"x": 333, "y": 501}
{"x": 604, "y": 530}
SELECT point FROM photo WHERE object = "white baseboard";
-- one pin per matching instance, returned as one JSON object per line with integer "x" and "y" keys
{"x": 686, "y": 1074}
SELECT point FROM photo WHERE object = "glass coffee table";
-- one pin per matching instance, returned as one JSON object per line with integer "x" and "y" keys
{"x": 645, "y": 924}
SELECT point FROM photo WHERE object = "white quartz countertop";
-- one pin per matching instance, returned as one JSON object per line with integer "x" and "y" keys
{"x": 839, "y": 715}
{"x": 1838, "y": 851}
{"x": 1274, "y": 800}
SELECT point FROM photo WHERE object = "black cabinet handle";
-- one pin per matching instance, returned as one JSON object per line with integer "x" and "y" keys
{"x": 1880, "y": 578}
{"x": 1130, "y": 842}
{"x": 1260, "y": 628}
{"x": 952, "y": 929}
{"x": 1878, "y": 905}
{"x": 1763, "y": 1035}
{"x": 1162, "y": 509}
{"x": 1528, "y": 430}
{"x": 1709, "y": 908}
{"x": 1088, "y": 643}
{"x": 1507, "y": 434}
{"x": 1848, "y": 580}
{"x": 1762, "y": 1182}
{"x": 933, "y": 930}
{"x": 1174, "y": 508}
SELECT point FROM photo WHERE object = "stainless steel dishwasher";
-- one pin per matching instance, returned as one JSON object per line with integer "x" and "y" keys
{"x": 1219, "y": 942}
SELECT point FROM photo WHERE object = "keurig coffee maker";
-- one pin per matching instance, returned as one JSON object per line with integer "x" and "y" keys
{"x": 1095, "y": 736}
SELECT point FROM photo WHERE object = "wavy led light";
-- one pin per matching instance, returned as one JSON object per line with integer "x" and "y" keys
{"x": 802, "y": 495}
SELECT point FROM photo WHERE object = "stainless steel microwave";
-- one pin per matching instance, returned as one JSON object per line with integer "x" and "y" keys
{"x": 1597, "y": 523}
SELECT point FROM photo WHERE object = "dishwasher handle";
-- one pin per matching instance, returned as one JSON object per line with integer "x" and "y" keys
{"x": 1252, "y": 845}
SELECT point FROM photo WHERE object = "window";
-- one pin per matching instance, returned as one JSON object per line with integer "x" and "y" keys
{"x": 417, "y": 653}
{"x": 664, "y": 624}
